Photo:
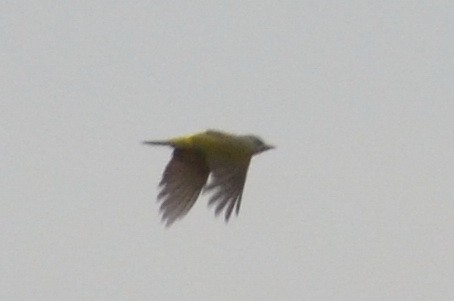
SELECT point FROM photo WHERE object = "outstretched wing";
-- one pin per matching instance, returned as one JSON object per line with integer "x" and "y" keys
{"x": 227, "y": 183}
{"x": 183, "y": 179}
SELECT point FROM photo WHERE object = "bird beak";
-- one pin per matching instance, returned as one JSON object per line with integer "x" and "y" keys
{"x": 266, "y": 147}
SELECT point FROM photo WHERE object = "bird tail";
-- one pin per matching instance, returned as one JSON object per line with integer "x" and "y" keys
{"x": 158, "y": 142}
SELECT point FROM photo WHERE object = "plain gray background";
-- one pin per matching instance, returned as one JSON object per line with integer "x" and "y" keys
{"x": 356, "y": 203}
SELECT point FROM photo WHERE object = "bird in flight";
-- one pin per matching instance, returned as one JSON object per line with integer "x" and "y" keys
{"x": 224, "y": 157}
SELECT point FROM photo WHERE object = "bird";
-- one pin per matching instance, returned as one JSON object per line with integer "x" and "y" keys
{"x": 212, "y": 161}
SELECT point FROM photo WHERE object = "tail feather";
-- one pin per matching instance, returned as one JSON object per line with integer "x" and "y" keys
{"x": 157, "y": 142}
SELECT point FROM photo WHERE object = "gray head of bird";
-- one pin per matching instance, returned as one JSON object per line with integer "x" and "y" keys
{"x": 257, "y": 144}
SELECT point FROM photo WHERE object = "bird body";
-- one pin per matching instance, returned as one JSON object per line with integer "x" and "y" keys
{"x": 224, "y": 157}
{"x": 212, "y": 144}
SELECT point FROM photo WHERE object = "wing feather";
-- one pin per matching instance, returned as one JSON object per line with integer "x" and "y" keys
{"x": 227, "y": 184}
{"x": 183, "y": 179}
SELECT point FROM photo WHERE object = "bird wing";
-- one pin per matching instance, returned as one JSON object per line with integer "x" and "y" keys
{"x": 227, "y": 183}
{"x": 183, "y": 179}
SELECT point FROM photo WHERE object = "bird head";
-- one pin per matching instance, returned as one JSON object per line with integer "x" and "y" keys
{"x": 257, "y": 144}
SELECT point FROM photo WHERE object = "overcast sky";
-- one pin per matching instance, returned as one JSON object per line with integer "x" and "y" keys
{"x": 355, "y": 203}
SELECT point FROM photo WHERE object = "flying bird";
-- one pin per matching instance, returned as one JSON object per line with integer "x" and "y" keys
{"x": 221, "y": 156}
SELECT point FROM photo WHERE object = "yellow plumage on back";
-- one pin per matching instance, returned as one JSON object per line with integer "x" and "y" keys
{"x": 216, "y": 144}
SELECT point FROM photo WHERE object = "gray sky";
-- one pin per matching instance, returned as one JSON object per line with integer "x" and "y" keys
{"x": 356, "y": 203}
